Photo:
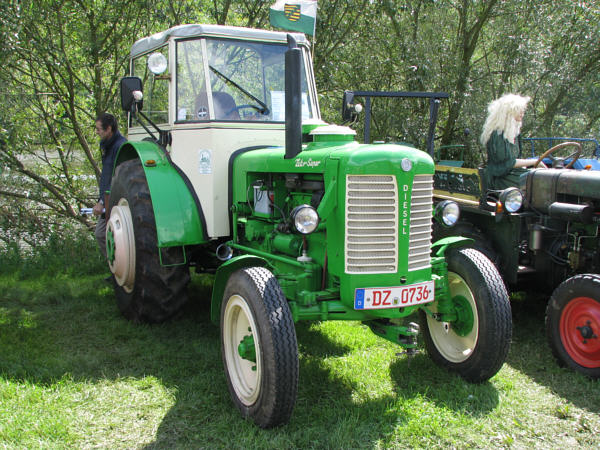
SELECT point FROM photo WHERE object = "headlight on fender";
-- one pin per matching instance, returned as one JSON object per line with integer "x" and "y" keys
{"x": 305, "y": 219}
{"x": 447, "y": 213}
{"x": 511, "y": 200}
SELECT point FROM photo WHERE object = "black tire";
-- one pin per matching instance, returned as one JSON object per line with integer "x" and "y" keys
{"x": 468, "y": 230}
{"x": 254, "y": 301}
{"x": 573, "y": 324}
{"x": 475, "y": 352}
{"x": 157, "y": 292}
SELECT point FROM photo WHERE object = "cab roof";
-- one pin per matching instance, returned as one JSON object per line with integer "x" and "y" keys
{"x": 157, "y": 40}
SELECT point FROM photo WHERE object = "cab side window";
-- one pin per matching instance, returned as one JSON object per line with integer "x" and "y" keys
{"x": 156, "y": 87}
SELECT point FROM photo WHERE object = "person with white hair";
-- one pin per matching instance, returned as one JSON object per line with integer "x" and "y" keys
{"x": 500, "y": 136}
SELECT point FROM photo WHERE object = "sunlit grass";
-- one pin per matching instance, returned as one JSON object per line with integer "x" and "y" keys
{"x": 74, "y": 373}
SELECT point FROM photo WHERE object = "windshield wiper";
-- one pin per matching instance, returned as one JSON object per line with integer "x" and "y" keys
{"x": 264, "y": 110}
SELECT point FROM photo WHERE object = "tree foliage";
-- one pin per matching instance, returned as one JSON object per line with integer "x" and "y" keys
{"x": 63, "y": 61}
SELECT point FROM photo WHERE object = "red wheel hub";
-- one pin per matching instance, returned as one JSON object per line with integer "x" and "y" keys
{"x": 580, "y": 331}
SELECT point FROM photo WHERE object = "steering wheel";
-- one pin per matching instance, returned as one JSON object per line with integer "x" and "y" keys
{"x": 548, "y": 154}
{"x": 239, "y": 108}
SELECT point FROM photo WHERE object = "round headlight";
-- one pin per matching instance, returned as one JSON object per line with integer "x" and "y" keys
{"x": 512, "y": 199}
{"x": 157, "y": 63}
{"x": 406, "y": 164}
{"x": 448, "y": 212}
{"x": 305, "y": 219}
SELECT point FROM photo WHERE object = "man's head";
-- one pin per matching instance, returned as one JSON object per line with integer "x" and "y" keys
{"x": 106, "y": 126}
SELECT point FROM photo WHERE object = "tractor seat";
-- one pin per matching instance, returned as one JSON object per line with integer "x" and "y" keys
{"x": 224, "y": 104}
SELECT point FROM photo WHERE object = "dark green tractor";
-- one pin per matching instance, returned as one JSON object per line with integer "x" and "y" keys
{"x": 543, "y": 235}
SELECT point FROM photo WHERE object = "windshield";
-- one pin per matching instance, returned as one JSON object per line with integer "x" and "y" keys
{"x": 246, "y": 79}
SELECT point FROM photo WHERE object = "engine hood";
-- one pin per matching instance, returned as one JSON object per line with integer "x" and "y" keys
{"x": 543, "y": 187}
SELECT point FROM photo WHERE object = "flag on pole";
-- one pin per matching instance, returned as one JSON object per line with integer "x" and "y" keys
{"x": 295, "y": 15}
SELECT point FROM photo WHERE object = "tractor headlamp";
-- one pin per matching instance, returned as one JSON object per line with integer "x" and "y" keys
{"x": 447, "y": 212}
{"x": 512, "y": 199}
{"x": 305, "y": 219}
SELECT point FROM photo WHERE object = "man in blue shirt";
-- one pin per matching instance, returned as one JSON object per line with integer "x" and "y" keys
{"x": 110, "y": 142}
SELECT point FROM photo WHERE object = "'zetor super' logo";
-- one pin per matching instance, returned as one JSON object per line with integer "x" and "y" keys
{"x": 307, "y": 163}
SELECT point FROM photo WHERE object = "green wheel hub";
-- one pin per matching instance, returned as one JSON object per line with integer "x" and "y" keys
{"x": 464, "y": 316}
{"x": 454, "y": 324}
{"x": 110, "y": 246}
{"x": 247, "y": 349}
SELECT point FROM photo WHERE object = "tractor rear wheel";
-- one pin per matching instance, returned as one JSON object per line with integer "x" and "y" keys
{"x": 476, "y": 344}
{"x": 259, "y": 348}
{"x": 573, "y": 324}
{"x": 146, "y": 290}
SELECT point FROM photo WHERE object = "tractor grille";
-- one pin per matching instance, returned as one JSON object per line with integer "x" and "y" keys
{"x": 372, "y": 223}
{"x": 421, "y": 204}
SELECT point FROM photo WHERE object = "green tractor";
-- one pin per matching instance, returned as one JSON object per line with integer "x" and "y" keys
{"x": 229, "y": 169}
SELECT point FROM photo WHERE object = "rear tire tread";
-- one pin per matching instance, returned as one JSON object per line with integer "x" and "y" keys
{"x": 159, "y": 292}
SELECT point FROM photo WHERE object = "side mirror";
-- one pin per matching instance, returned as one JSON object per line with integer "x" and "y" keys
{"x": 350, "y": 109}
{"x": 129, "y": 85}
{"x": 293, "y": 99}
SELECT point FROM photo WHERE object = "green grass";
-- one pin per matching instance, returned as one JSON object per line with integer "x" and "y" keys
{"x": 74, "y": 373}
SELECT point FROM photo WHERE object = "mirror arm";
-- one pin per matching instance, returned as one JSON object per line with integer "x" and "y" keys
{"x": 134, "y": 112}
{"x": 164, "y": 136}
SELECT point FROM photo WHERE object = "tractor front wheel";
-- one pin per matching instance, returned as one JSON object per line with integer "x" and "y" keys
{"x": 146, "y": 290}
{"x": 475, "y": 342}
{"x": 573, "y": 324}
{"x": 259, "y": 348}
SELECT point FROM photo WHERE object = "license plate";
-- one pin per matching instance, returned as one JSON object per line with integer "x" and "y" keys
{"x": 394, "y": 297}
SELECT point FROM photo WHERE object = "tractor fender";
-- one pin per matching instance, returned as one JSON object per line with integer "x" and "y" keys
{"x": 439, "y": 247}
{"x": 177, "y": 210}
{"x": 223, "y": 273}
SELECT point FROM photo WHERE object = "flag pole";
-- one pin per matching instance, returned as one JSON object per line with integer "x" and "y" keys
{"x": 314, "y": 41}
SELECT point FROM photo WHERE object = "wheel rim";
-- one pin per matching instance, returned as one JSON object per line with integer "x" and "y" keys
{"x": 244, "y": 374}
{"x": 457, "y": 342}
{"x": 120, "y": 244}
{"x": 580, "y": 331}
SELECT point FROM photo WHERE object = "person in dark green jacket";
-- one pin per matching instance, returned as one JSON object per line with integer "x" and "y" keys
{"x": 500, "y": 137}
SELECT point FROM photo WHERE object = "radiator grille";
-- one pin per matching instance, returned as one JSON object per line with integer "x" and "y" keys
{"x": 371, "y": 224}
{"x": 419, "y": 243}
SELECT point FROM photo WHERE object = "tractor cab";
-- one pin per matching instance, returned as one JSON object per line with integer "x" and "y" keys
{"x": 213, "y": 91}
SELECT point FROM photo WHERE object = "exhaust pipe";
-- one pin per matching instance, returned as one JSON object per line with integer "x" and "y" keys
{"x": 293, "y": 99}
{"x": 224, "y": 252}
